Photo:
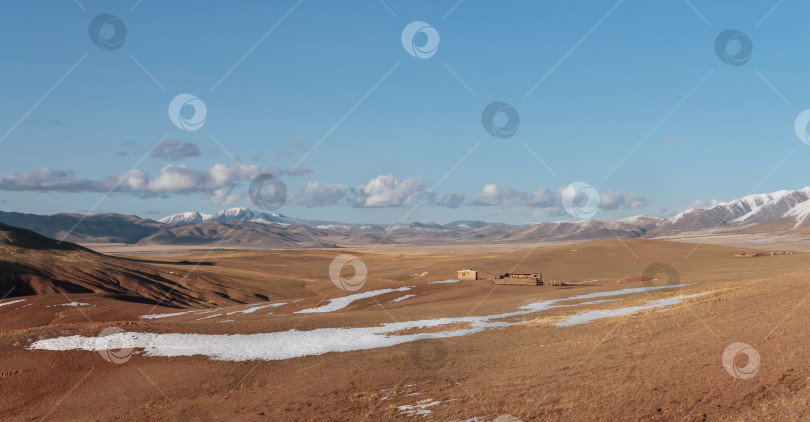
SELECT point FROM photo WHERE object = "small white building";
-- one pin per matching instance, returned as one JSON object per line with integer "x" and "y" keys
{"x": 467, "y": 274}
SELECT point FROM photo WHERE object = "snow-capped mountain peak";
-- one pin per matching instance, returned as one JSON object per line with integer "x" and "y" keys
{"x": 186, "y": 218}
{"x": 238, "y": 214}
{"x": 782, "y": 209}
{"x": 224, "y": 216}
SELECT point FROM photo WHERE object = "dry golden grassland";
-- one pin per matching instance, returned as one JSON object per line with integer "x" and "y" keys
{"x": 653, "y": 364}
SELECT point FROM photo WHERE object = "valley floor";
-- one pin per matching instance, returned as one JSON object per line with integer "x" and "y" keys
{"x": 612, "y": 344}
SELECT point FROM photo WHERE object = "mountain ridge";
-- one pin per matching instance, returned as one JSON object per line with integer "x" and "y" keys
{"x": 33, "y": 264}
{"x": 775, "y": 212}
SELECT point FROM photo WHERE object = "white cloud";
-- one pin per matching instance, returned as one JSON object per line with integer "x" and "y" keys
{"x": 318, "y": 194}
{"x": 388, "y": 191}
{"x": 46, "y": 179}
{"x": 613, "y": 200}
{"x": 543, "y": 197}
{"x": 381, "y": 191}
{"x": 223, "y": 184}
{"x": 181, "y": 179}
{"x": 225, "y": 196}
{"x": 492, "y": 195}
{"x": 135, "y": 181}
{"x": 547, "y": 202}
{"x": 217, "y": 184}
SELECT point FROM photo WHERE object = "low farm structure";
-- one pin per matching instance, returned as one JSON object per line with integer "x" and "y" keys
{"x": 526, "y": 279}
{"x": 756, "y": 254}
{"x": 467, "y": 274}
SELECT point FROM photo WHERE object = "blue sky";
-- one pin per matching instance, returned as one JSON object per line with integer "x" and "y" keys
{"x": 381, "y": 136}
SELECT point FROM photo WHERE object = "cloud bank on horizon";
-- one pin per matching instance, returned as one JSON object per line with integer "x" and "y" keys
{"x": 221, "y": 185}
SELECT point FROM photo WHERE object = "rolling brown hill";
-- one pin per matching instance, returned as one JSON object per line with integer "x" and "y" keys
{"x": 32, "y": 264}
{"x": 583, "y": 230}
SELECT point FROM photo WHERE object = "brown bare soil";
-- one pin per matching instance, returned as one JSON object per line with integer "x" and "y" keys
{"x": 36, "y": 265}
{"x": 652, "y": 364}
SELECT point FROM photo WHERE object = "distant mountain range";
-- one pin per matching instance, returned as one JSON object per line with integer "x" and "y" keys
{"x": 237, "y": 214}
{"x": 776, "y": 212}
{"x": 97, "y": 228}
